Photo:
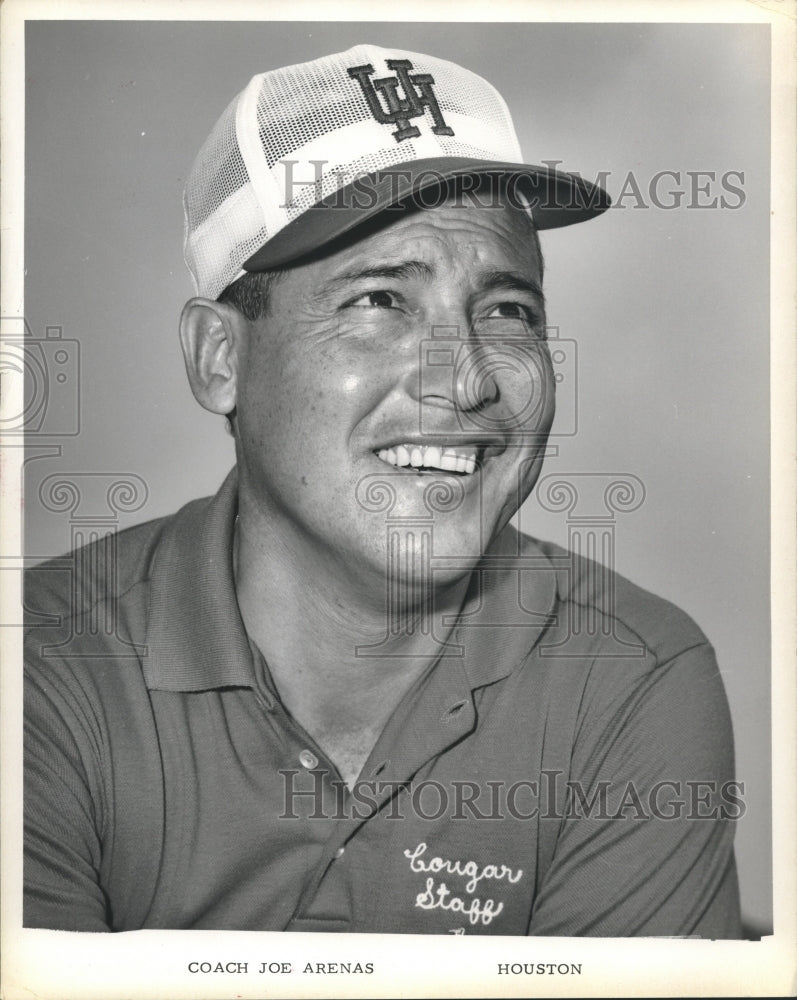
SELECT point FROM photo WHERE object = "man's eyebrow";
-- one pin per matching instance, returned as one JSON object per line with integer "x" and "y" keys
{"x": 493, "y": 281}
{"x": 514, "y": 281}
{"x": 405, "y": 269}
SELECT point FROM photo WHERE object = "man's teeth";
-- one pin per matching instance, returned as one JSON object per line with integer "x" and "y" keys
{"x": 431, "y": 457}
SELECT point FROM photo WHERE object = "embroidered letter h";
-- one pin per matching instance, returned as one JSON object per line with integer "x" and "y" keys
{"x": 400, "y": 110}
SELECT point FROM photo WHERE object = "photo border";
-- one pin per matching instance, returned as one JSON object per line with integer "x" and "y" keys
{"x": 153, "y": 963}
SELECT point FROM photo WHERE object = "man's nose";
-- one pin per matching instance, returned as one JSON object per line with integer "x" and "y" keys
{"x": 454, "y": 371}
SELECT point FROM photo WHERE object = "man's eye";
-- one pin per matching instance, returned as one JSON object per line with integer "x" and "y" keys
{"x": 511, "y": 310}
{"x": 379, "y": 299}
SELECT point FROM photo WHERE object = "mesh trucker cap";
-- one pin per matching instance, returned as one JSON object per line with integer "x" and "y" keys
{"x": 307, "y": 152}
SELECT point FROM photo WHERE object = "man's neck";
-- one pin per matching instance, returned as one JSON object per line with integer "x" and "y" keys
{"x": 339, "y": 661}
{"x": 317, "y": 614}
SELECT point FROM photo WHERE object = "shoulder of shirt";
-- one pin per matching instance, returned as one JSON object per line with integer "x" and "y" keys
{"x": 74, "y": 584}
{"x": 661, "y": 626}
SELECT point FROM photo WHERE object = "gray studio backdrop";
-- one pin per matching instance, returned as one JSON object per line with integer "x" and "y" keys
{"x": 664, "y": 306}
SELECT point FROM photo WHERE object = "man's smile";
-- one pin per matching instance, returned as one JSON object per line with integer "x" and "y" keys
{"x": 433, "y": 457}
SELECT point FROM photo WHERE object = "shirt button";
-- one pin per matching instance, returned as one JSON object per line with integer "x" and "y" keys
{"x": 308, "y": 759}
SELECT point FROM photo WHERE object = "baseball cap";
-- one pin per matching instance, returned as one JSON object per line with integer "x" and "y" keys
{"x": 306, "y": 153}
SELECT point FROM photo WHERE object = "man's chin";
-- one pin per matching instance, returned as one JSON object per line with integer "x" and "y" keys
{"x": 430, "y": 555}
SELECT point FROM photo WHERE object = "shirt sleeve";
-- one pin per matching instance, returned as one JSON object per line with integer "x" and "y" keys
{"x": 645, "y": 838}
{"x": 63, "y": 806}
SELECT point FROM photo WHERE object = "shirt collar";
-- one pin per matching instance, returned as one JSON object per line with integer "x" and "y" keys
{"x": 196, "y": 640}
{"x": 510, "y": 603}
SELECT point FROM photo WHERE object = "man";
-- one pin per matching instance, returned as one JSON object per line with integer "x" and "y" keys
{"x": 350, "y": 697}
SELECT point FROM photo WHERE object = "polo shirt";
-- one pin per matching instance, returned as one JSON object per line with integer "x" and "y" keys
{"x": 564, "y": 768}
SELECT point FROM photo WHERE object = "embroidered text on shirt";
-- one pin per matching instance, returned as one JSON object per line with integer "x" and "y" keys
{"x": 440, "y": 896}
{"x": 469, "y": 868}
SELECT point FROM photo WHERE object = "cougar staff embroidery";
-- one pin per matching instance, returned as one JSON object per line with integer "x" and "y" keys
{"x": 400, "y": 110}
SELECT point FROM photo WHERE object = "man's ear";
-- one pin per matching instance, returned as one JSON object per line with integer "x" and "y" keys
{"x": 213, "y": 337}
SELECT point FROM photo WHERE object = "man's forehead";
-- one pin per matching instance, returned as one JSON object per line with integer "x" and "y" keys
{"x": 418, "y": 243}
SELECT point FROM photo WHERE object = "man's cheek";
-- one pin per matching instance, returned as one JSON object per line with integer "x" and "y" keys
{"x": 353, "y": 383}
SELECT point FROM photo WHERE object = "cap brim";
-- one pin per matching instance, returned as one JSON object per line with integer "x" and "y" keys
{"x": 553, "y": 197}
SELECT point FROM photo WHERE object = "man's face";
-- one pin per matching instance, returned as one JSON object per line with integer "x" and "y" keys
{"x": 403, "y": 373}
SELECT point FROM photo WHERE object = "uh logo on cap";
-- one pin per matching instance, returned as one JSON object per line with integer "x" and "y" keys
{"x": 400, "y": 110}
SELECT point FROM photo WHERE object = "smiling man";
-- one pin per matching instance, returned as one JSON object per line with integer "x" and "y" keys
{"x": 355, "y": 698}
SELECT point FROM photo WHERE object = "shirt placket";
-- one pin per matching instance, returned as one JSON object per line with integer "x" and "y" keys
{"x": 431, "y": 718}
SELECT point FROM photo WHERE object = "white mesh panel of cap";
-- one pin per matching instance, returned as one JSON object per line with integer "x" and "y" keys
{"x": 268, "y": 194}
{"x": 223, "y": 242}
{"x": 317, "y": 111}
{"x": 217, "y": 170}
{"x": 221, "y": 211}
